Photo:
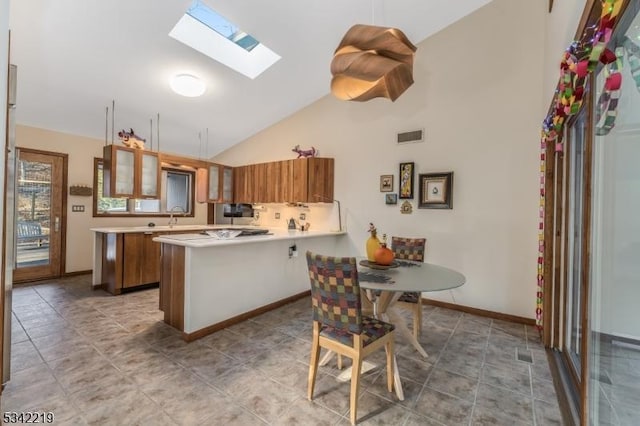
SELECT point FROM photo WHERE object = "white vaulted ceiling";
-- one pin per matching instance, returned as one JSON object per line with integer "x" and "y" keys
{"x": 75, "y": 56}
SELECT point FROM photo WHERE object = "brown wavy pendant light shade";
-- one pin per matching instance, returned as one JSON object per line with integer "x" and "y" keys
{"x": 372, "y": 62}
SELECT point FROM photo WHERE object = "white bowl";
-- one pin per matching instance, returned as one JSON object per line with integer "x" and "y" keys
{"x": 224, "y": 234}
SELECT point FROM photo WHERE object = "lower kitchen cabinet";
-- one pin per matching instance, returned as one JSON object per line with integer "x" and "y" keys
{"x": 130, "y": 260}
{"x": 141, "y": 259}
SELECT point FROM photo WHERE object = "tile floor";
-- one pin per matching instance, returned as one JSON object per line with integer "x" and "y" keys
{"x": 92, "y": 358}
{"x": 618, "y": 382}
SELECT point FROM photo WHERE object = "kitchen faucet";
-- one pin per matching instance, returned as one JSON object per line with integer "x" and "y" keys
{"x": 174, "y": 220}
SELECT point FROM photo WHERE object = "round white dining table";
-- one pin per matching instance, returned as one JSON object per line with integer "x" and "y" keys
{"x": 409, "y": 276}
{"x": 383, "y": 287}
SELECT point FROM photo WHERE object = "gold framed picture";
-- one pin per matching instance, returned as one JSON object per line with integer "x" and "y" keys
{"x": 405, "y": 191}
{"x": 386, "y": 183}
{"x": 436, "y": 190}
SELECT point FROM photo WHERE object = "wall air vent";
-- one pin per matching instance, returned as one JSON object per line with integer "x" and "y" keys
{"x": 411, "y": 137}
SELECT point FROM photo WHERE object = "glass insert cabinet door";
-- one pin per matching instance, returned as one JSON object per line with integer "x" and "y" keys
{"x": 124, "y": 171}
{"x": 130, "y": 173}
{"x": 150, "y": 174}
{"x": 214, "y": 182}
{"x": 227, "y": 184}
{"x": 220, "y": 191}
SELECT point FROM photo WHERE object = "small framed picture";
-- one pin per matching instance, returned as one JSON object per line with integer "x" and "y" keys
{"x": 391, "y": 198}
{"x": 406, "y": 180}
{"x": 436, "y": 190}
{"x": 386, "y": 183}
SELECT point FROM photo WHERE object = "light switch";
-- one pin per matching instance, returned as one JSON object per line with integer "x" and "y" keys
{"x": 77, "y": 208}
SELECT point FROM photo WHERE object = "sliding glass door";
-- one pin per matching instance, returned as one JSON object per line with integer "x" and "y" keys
{"x": 614, "y": 309}
{"x": 574, "y": 305}
{"x": 596, "y": 239}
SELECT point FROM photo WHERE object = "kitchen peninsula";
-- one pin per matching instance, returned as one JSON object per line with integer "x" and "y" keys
{"x": 207, "y": 284}
{"x": 126, "y": 258}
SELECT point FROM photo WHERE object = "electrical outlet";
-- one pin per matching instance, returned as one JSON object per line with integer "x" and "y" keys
{"x": 303, "y": 216}
{"x": 277, "y": 215}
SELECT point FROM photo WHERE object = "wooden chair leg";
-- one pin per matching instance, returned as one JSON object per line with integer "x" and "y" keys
{"x": 355, "y": 386}
{"x": 389, "y": 348}
{"x": 313, "y": 364}
{"x": 339, "y": 362}
{"x": 417, "y": 320}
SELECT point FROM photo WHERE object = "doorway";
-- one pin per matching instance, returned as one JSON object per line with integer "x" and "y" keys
{"x": 595, "y": 244}
{"x": 574, "y": 303}
{"x": 569, "y": 284}
{"x": 40, "y": 214}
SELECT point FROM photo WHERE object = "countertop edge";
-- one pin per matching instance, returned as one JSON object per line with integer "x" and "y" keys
{"x": 277, "y": 235}
{"x": 163, "y": 228}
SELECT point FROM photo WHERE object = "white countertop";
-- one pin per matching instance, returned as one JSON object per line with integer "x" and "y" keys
{"x": 164, "y": 228}
{"x": 199, "y": 240}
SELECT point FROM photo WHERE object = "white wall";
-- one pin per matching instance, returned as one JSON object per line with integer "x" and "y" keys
{"x": 81, "y": 152}
{"x": 561, "y": 26}
{"x": 478, "y": 93}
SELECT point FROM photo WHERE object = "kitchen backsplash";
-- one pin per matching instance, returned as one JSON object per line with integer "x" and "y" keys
{"x": 320, "y": 216}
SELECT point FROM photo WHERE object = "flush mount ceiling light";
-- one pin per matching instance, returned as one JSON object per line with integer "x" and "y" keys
{"x": 372, "y": 62}
{"x": 187, "y": 85}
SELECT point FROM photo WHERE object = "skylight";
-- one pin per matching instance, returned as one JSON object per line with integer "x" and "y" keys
{"x": 208, "y": 32}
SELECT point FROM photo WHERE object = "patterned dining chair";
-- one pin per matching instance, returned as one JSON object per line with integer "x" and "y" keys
{"x": 410, "y": 249}
{"x": 338, "y": 323}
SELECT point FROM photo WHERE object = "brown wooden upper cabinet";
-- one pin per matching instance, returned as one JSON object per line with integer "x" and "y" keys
{"x": 130, "y": 173}
{"x": 313, "y": 180}
{"x": 240, "y": 189}
{"x": 279, "y": 183}
{"x": 249, "y": 184}
{"x": 220, "y": 187}
{"x": 259, "y": 183}
{"x": 301, "y": 180}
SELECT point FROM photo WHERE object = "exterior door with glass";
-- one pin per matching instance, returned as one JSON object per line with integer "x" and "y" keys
{"x": 39, "y": 228}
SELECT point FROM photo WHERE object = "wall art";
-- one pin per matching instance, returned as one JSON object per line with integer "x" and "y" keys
{"x": 436, "y": 190}
{"x": 386, "y": 183}
{"x": 391, "y": 199}
{"x": 406, "y": 180}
